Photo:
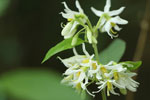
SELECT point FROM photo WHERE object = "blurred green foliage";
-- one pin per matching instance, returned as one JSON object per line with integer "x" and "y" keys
{"x": 113, "y": 52}
{"x": 3, "y": 5}
{"x": 35, "y": 85}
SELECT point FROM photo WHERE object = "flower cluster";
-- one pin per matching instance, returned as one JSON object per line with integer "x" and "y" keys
{"x": 84, "y": 70}
{"x": 108, "y": 20}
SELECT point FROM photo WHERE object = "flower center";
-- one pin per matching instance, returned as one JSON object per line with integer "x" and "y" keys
{"x": 113, "y": 25}
{"x": 106, "y": 16}
{"x": 103, "y": 69}
{"x": 78, "y": 74}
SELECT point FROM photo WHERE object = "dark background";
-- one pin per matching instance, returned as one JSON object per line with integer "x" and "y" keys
{"x": 28, "y": 28}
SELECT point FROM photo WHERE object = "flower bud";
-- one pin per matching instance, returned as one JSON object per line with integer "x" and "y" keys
{"x": 71, "y": 33}
{"x": 67, "y": 28}
{"x": 74, "y": 40}
{"x": 89, "y": 35}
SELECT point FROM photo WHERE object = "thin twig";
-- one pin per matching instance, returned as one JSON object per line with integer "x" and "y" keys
{"x": 145, "y": 24}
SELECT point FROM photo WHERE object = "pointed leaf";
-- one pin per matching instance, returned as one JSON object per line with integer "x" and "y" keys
{"x": 64, "y": 45}
{"x": 113, "y": 52}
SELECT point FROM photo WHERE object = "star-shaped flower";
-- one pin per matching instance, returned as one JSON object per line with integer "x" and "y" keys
{"x": 108, "y": 21}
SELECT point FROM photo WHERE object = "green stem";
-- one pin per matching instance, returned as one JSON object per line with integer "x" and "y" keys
{"x": 99, "y": 22}
{"x": 103, "y": 94}
{"x": 96, "y": 52}
{"x": 89, "y": 24}
{"x": 97, "y": 58}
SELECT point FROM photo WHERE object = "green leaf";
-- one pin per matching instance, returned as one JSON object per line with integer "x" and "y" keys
{"x": 3, "y": 5}
{"x": 132, "y": 65}
{"x": 37, "y": 85}
{"x": 113, "y": 52}
{"x": 64, "y": 45}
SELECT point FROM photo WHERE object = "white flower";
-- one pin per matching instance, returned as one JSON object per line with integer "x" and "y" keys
{"x": 71, "y": 27}
{"x": 122, "y": 76}
{"x": 110, "y": 86}
{"x": 115, "y": 75}
{"x": 125, "y": 80}
{"x": 69, "y": 14}
{"x": 108, "y": 21}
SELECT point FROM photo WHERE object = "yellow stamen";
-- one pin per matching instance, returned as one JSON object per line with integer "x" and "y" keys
{"x": 109, "y": 86}
{"x": 103, "y": 69}
{"x": 94, "y": 66}
{"x": 85, "y": 61}
{"x": 78, "y": 74}
{"x": 116, "y": 76}
{"x": 113, "y": 31}
{"x": 69, "y": 19}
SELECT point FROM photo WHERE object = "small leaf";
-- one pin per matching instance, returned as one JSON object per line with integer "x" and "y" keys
{"x": 132, "y": 65}
{"x": 113, "y": 52}
{"x": 64, "y": 45}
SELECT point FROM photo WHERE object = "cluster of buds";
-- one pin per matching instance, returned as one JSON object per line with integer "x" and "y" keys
{"x": 84, "y": 70}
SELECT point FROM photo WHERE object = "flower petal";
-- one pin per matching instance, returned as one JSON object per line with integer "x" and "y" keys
{"x": 107, "y": 6}
{"x": 96, "y": 12}
{"x": 119, "y": 20}
{"x": 65, "y": 5}
{"x": 116, "y": 12}
{"x": 78, "y": 6}
{"x": 84, "y": 50}
{"x": 81, "y": 77}
{"x": 117, "y": 28}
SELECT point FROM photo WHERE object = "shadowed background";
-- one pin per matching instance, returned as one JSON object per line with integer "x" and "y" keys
{"x": 28, "y": 28}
